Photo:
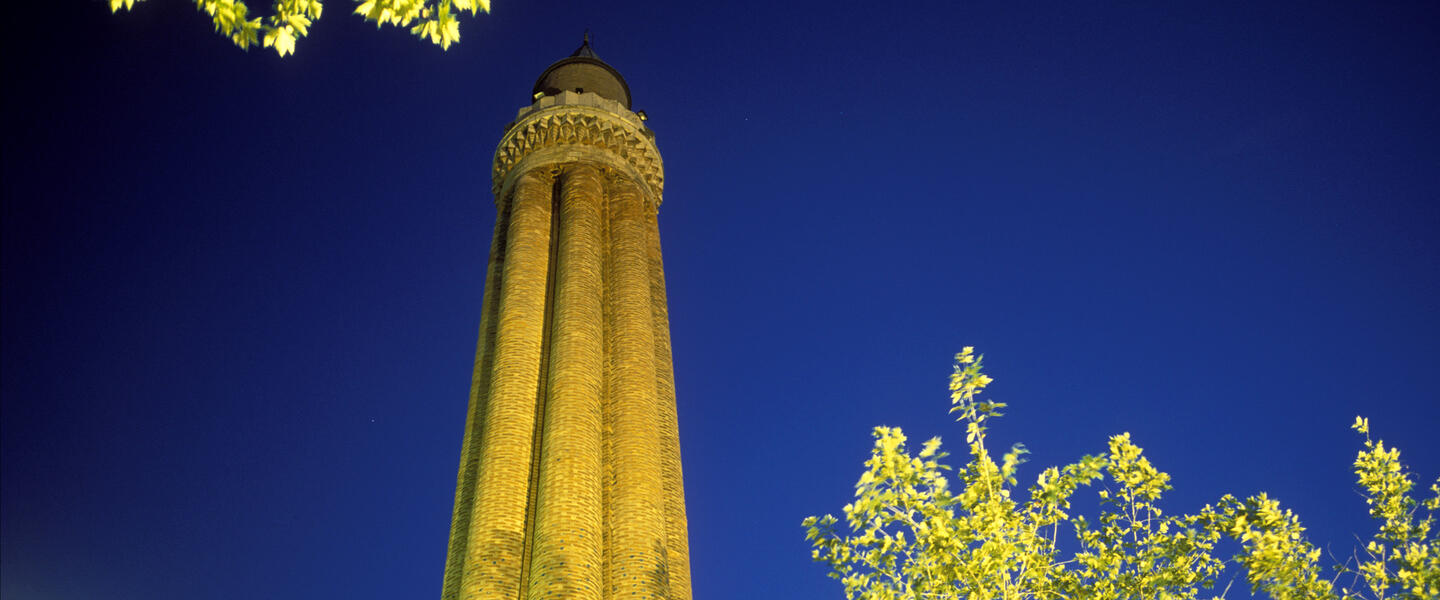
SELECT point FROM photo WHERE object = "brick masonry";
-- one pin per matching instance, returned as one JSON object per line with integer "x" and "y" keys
{"x": 569, "y": 484}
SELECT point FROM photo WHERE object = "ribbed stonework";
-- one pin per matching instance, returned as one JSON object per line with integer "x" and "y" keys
{"x": 569, "y": 484}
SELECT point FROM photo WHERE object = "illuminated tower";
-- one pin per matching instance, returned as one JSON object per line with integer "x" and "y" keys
{"x": 569, "y": 483}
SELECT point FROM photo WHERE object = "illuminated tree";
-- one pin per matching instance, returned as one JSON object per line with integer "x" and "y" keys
{"x": 910, "y": 536}
{"x": 291, "y": 19}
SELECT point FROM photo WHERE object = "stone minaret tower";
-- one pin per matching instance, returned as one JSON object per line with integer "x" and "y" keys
{"x": 569, "y": 484}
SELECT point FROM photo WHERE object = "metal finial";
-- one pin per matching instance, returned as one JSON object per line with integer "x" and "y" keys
{"x": 585, "y": 49}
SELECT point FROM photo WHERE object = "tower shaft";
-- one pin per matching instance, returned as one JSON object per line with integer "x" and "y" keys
{"x": 570, "y": 482}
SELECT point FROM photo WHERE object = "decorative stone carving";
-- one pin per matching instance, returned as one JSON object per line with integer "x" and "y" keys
{"x": 573, "y": 126}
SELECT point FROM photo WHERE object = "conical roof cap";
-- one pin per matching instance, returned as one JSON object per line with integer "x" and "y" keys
{"x": 582, "y": 72}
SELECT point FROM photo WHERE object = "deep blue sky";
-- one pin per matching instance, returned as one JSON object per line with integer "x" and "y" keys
{"x": 241, "y": 293}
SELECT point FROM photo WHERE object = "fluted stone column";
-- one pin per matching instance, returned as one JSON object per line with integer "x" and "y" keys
{"x": 495, "y": 551}
{"x": 568, "y": 530}
{"x": 635, "y": 534}
{"x": 475, "y": 417}
{"x": 677, "y": 537}
{"x": 569, "y": 485}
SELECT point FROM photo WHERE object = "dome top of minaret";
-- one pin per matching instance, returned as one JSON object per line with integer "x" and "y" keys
{"x": 584, "y": 72}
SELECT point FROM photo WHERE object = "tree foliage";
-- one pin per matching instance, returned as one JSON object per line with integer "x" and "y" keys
{"x": 291, "y": 19}
{"x": 910, "y": 535}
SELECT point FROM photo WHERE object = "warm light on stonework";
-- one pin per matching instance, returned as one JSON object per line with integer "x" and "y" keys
{"x": 570, "y": 483}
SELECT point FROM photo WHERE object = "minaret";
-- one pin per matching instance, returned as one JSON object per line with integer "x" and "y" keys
{"x": 569, "y": 484}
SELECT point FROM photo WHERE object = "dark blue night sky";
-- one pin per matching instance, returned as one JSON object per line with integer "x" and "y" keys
{"x": 240, "y": 293}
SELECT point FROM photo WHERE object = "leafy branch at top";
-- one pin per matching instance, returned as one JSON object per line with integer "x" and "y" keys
{"x": 291, "y": 19}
